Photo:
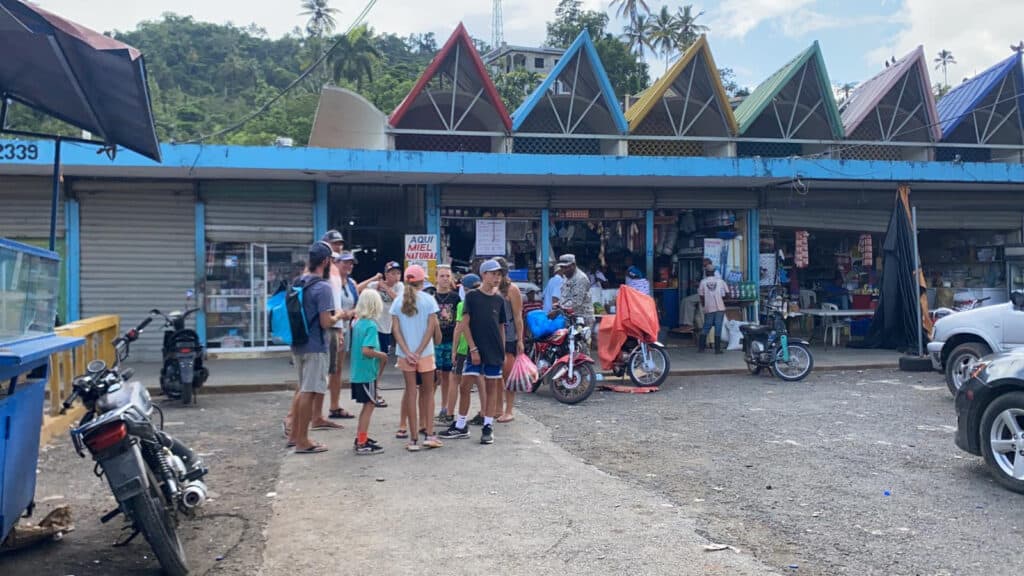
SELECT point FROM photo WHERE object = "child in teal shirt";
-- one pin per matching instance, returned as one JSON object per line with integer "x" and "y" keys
{"x": 367, "y": 360}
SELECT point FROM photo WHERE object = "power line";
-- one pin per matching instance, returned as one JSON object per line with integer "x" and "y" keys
{"x": 305, "y": 74}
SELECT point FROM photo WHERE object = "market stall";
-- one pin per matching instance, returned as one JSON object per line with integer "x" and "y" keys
{"x": 471, "y": 234}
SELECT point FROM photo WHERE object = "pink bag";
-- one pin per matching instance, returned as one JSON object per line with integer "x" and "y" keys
{"x": 522, "y": 376}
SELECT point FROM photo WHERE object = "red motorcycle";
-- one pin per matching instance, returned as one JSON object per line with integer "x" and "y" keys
{"x": 563, "y": 361}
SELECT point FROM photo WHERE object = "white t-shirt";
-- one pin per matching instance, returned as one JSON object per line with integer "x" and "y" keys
{"x": 713, "y": 290}
{"x": 344, "y": 298}
{"x": 384, "y": 322}
{"x": 414, "y": 327}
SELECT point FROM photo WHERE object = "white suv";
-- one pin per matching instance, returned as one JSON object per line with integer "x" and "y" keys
{"x": 961, "y": 339}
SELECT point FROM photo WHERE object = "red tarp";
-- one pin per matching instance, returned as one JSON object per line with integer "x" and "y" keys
{"x": 636, "y": 316}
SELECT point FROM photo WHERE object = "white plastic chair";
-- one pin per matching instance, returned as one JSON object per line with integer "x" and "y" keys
{"x": 808, "y": 299}
{"x": 834, "y": 324}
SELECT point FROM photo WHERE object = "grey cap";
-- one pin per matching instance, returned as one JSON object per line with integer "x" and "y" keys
{"x": 567, "y": 259}
{"x": 347, "y": 256}
{"x": 490, "y": 266}
{"x": 333, "y": 236}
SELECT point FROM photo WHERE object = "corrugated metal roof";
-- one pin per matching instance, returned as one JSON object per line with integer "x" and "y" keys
{"x": 752, "y": 107}
{"x": 586, "y": 45}
{"x": 867, "y": 96}
{"x": 649, "y": 98}
{"x": 963, "y": 99}
{"x": 460, "y": 35}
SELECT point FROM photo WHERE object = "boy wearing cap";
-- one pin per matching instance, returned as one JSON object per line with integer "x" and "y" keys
{"x": 311, "y": 358}
{"x": 482, "y": 321}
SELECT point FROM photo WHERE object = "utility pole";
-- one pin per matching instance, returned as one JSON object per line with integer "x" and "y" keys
{"x": 497, "y": 26}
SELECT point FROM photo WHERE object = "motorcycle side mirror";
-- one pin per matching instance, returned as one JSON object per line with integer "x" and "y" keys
{"x": 1018, "y": 300}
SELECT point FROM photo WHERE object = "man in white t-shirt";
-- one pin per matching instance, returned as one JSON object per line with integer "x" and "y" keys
{"x": 712, "y": 293}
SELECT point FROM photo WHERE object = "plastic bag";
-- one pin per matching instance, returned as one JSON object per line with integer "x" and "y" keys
{"x": 522, "y": 376}
{"x": 541, "y": 326}
{"x": 733, "y": 334}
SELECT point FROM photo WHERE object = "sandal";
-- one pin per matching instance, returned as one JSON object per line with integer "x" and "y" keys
{"x": 379, "y": 402}
{"x": 505, "y": 418}
{"x": 340, "y": 413}
{"x": 314, "y": 449}
{"x": 402, "y": 434}
{"x": 327, "y": 425}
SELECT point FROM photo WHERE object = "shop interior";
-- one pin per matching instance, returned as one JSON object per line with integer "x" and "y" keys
{"x": 963, "y": 265}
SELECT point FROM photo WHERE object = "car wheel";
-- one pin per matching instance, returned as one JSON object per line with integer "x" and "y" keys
{"x": 958, "y": 365}
{"x": 1002, "y": 440}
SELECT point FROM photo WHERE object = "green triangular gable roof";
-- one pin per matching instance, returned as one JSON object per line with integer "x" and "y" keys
{"x": 751, "y": 108}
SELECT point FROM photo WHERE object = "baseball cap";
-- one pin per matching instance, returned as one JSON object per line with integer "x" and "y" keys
{"x": 318, "y": 253}
{"x": 333, "y": 236}
{"x": 415, "y": 273}
{"x": 471, "y": 281}
{"x": 490, "y": 266}
{"x": 567, "y": 259}
{"x": 392, "y": 265}
{"x": 346, "y": 256}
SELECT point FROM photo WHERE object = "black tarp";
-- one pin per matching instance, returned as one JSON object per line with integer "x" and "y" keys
{"x": 895, "y": 325}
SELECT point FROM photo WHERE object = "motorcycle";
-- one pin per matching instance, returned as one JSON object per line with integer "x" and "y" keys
{"x": 972, "y": 304}
{"x": 183, "y": 372}
{"x": 790, "y": 359}
{"x": 646, "y": 363}
{"x": 154, "y": 477}
{"x": 564, "y": 363}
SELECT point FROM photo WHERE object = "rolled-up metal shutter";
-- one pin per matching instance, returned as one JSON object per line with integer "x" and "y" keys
{"x": 955, "y": 219}
{"x": 580, "y": 198}
{"x": 259, "y": 211}
{"x": 25, "y": 207}
{"x": 817, "y": 219}
{"x": 492, "y": 197}
{"x": 138, "y": 252}
{"x": 707, "y": 199}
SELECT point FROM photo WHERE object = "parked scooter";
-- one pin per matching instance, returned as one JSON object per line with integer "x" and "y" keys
{"x": 563, "y": 361}
{"x": 183, "y": 372}
{"x": 153, "y": 477}
{"x": 771, "y": 347}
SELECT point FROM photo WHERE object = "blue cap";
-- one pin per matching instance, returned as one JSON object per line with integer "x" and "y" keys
{"x": 319, "y": 252}
{"x": 634, "y": 272}
{"x": 490, "y": 266}
{"x": 471, "y": 281}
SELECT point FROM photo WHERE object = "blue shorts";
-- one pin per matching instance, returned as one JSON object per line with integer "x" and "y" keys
{"x": 489, "y": 371}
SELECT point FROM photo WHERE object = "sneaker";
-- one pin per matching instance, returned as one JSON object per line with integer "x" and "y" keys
{"x": 477, "y": 420}
{"x": 487, "y": 436}
{"x": 368, "y": 449}
{"x": 412, "y": 446}
{"x": 355, "y": 441}
{"x": 432, "y": 442}
{"x": 454, "y": 432}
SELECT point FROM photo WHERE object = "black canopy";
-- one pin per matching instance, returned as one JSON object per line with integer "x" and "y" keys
{"x": 895, "y": 325}
{"x": 77, "y": 75}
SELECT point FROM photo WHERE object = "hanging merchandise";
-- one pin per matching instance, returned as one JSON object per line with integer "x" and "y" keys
{"x": 801, "y": 256}
{"x": 866, "y": 251}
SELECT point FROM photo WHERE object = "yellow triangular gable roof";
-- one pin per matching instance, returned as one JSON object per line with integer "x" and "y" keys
{"x": 649, "y": 98}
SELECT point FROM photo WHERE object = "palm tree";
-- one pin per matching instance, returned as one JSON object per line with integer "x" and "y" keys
{"x": 943, "y": 60}
{"x": 636, "y": 36}
{"x": 630, "y": 8}
{"x": 687, "y": 28}
{"x": 664, "y": 35}
{"x": 354, "y": 57}
{"x": 321, "y": 17}
{"x": 847, "y": 88}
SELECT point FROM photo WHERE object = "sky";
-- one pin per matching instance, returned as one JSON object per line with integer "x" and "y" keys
{"x": 753, "y": 37}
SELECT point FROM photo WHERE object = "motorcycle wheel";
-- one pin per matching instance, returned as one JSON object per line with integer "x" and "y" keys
{"x": 186, "y": 394}
{"x": 585, "y": 382}
{"x": 754, "y": 368}
{"x": 800, "y": 364}
{"x": 639, "y": 374}
{"x": 151, "y": 518}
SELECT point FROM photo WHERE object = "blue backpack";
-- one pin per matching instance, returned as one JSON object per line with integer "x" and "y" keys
{"x": 288, "y": 321}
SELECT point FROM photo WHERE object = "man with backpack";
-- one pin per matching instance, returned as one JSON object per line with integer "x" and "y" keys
{"x": 311, "y": 313}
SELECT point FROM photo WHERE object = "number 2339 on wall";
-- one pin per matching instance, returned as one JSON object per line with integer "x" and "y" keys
{"x": 16, "y": 151}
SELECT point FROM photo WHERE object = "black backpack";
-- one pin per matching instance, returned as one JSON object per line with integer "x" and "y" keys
{"x": 295, "y": 305}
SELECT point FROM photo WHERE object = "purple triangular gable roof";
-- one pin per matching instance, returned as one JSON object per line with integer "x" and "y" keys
{"x": 869, "y": 94}
{"x": 962, "y": 100}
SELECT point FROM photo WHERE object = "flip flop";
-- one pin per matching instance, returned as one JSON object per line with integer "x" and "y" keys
{"x": 505, "y": 419}
{"x": 340, "y": 413}
{"x": 402, "y": 434}
{"x": 327, "y": 426}
{"x": 314, "y": 449}
{"x": 290, "y": 445}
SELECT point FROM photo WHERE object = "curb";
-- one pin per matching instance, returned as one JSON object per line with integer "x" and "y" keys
{"x": 290, "y": 386}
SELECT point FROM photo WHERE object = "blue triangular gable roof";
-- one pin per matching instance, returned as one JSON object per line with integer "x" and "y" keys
{"x": 582, "y": 42}
{"x": 963, "y": 99}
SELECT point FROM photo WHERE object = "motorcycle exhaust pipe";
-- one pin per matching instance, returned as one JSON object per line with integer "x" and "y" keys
{"x": 194, "y": 494}
{"x": 560, "y": 372}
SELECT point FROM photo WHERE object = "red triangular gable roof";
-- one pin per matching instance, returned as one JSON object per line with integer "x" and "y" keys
{"x": 459, "y": 35}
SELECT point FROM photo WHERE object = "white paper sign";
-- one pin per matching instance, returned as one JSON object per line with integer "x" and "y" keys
{"x": 490, "y": 238}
